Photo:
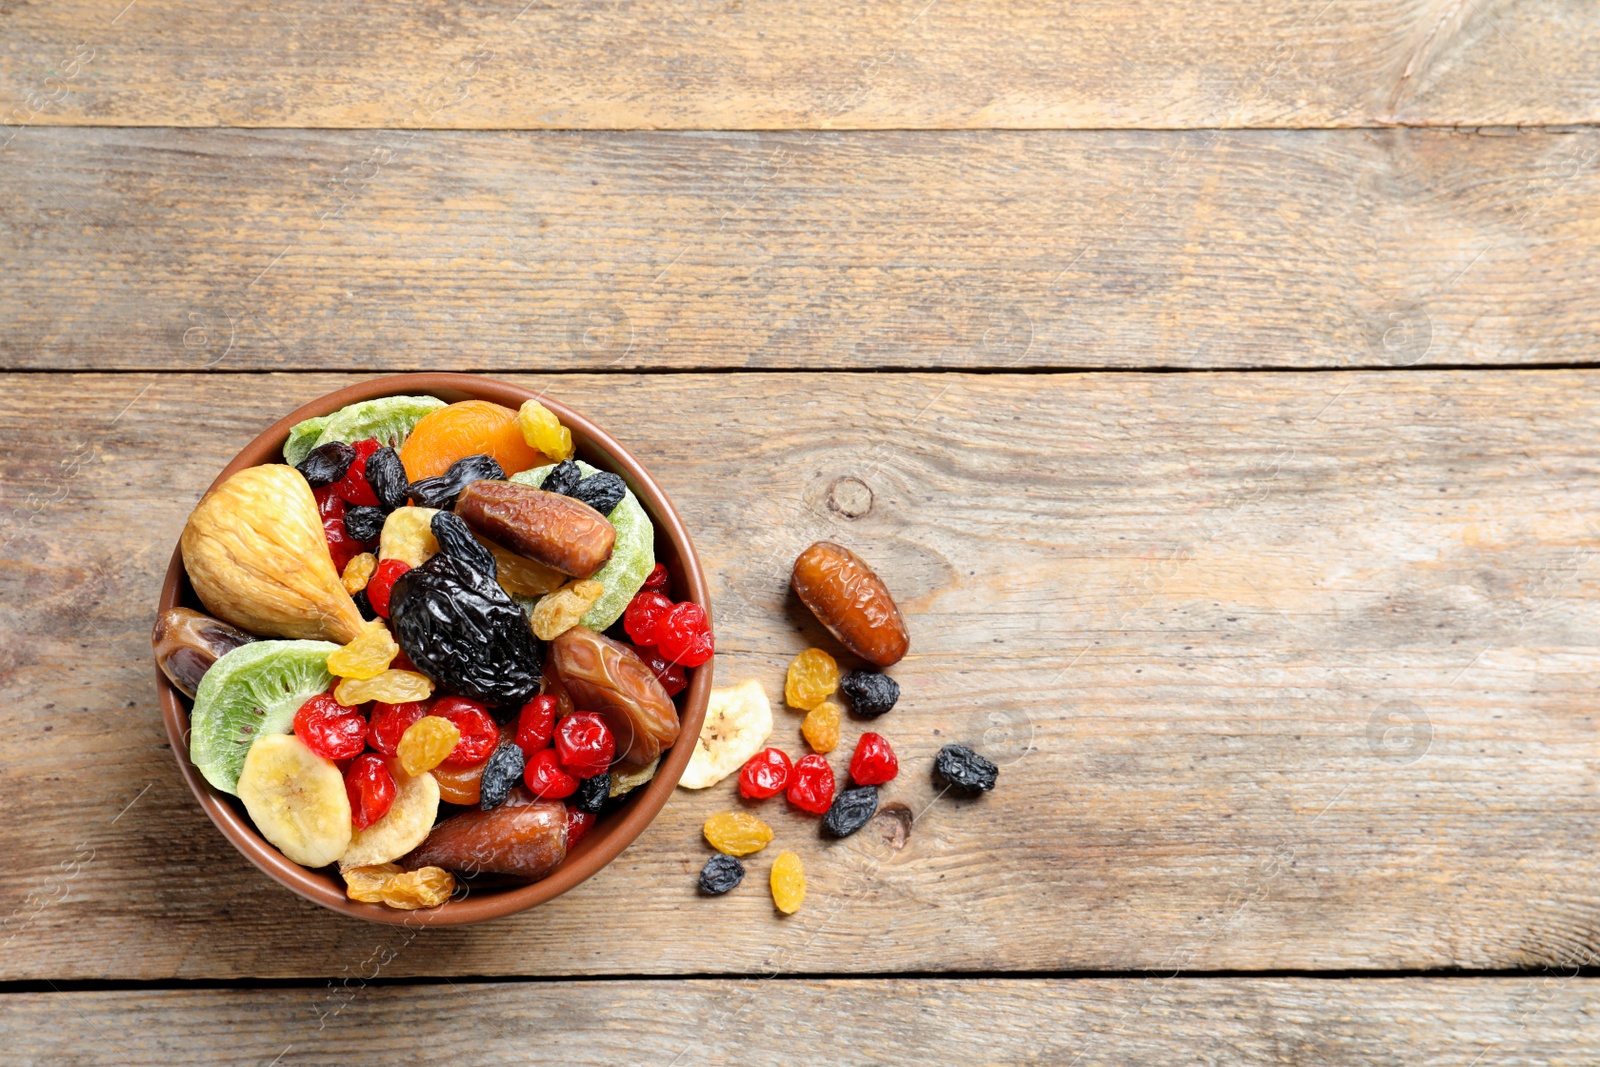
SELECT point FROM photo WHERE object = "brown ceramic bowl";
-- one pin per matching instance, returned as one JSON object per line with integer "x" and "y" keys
{"x": 612, "y": 833}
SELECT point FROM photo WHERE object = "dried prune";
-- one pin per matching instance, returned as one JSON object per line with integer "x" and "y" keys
{"x": 327, "y": 464}
{"x": 852, "y": 602}
{"x": 441, "y": 491}
{"x": 851, "y": 810}
{"x": 387, "y": 477}
{"x": 964, "y": 770}
{"x": 457, "y": 625}
{"x": 455, "y": 538}
{"x": 500, "y": 774}
{"x": 871, "y": 694}
{"x": 552, "y": 529}
{"x": 602, "y": 491}
{"x": 720, "y": 874}
{"x": 564, "y": 479}
{"x": 593, "y": 793}
{"x": 363, "y": 523}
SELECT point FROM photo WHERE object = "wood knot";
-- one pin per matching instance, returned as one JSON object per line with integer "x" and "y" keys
{"x": 850, "y": 497}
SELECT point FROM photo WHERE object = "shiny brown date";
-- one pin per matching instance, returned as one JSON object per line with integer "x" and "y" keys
{"x": 186, "y": 644}
{"x": 852, "y": 602}
{"x": 548, "y": 528}
{"x": 525, "y": 837}
{"x": 607, "y": 677}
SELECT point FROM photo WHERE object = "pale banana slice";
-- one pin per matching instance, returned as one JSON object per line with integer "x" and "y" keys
{"x": 410, "y": 817}
{"x": 738, "y": 722}
{"x": 296, "y": 799}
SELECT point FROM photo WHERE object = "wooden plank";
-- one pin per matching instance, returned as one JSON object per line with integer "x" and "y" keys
{"x": 762, "y": 64}
{"x": 1286, "y": 671}
{"x": 1545, "y": 1020}
{"x": 302, "y": 250}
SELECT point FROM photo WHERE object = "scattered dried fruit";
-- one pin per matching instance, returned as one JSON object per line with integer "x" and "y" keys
{"x": 870, "y": 693}
{"x": 766, "y": 774}
{"x": 964, "y": 770}
{"x": 852, "y": 602}
{"x": 788, "y": 882}
{"x": 811, "y": 784}
{"x": 738, "y": 833}
{"x": 813, "y": 676}
{"x": 720, "y": 874}
{"x": 874, "y": 762}
{"x": 738, "y": 722}
{"x": 851, "y": 810}
{"x": 821, "y": 727}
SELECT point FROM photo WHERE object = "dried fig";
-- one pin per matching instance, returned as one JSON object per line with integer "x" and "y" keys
{"x": 548, "y": 528}
{"x": 607, "y": 677}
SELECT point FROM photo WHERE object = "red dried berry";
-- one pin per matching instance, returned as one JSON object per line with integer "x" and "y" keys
{"x": 330, "y": 729}
{"x": 479, "y": 733}
{"x": 382, "y": 583}
{"x": 389, "y": 722}
{"x": 658, "y": 579}
{"x": 766, "y": 774}
{"x": 341, "y": 546}
{"x": 535, "y": 724}
{"x": 584, "y": 744}
{"x": 874, "y": 762}
{"x": 578, "y": 823}
{"x": 402, "y": 662}
{"x": 353, "y": 486}
{"x": 669, "y": 674}
{"x": 371, "y": 789}
{"x": 684, "y": 635}
{"x": 545, "y": 778}
{"x": 811, "y": 785}
{"x": 644, "y": 614}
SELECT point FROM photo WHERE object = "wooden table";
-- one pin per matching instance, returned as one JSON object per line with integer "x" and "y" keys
{"x": 1213, "y": 382}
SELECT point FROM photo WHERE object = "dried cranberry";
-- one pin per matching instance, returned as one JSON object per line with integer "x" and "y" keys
{"x": 382, "y": 583}
{"x": 684, "y": 635}
{"x": 766, "y": 774}
{"x": 874, "y": 762}
{"x": 353, "y": 486}
{"x": 811, "y": 786}
{"x": 644, "y": 614}
{"x": 389, "y": 723}
{"x": 402, "y": 662}
{"x": 544, "y": 776}
{"x": 371, "y": 789}
{"x": 341, "y": 546}
{"x": 535, "y": 723}
{"x": 479, "y": 734}
{"x": 658, "y": 579}
{"x": 330, "y": 729}
{"x": 669, "y": 674}
{"x": 584, "y": 744}
{"x": 578, "y": 823}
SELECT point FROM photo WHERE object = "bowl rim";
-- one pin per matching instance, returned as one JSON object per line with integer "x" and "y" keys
{"x": 608, "y": 839}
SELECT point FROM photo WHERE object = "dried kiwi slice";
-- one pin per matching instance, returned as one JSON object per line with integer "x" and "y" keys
{"x": 389, "y": 419}
{"x": 251, "y": 691}
{"x": 632, "y": 557}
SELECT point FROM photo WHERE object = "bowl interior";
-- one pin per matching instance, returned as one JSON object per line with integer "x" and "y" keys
{"x": 615, "y": 830}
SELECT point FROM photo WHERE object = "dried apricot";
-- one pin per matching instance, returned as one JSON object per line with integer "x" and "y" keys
{"x": 358, "y": 572}
{"x": 738, "y": 833}
{"x": 426, "y": 887}
{"x": 426, "y": 743}
{"x": 813, "y": 676}
{"x": 391, "y": 687}
{"x": 788, "y": 883}
{"x": 366, "y": 883}
{"x": 542, "y": 430}
{"x": 821, "y": 727}
{"x": 469, "y": 428}
{"x": 558, "y": 612}
{"x": 368, "y": 656}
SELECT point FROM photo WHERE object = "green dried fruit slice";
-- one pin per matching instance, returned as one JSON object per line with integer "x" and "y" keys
{"x": 251, "y": 691}
{"x": 632, "y": 557}
{"x": 389, "y": 419}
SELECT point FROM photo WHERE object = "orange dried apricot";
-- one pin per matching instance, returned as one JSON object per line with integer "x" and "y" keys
{"x": 468, "y": 428}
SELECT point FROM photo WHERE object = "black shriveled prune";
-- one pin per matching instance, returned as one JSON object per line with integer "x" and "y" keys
{"x": 564, "y": 479}
{"x": 387, "y": 477}
{"x": 720, "y": 874}
{"x": 364, "y": 605}
{"x": 461, "y": 629}
{"x": 593, "y": 793}
{"x": 363, "y": 523}
{"x": 500, "y": 773}
{"x": 327, "y": 464}
{"x": 851, "y": 810}
{"x": 441, "y": 491}
{"x": 455, "y": 537}
{"x": 602, "y": 491}
{"x": 964, "y": 770}
{"x": 871, "y": 694}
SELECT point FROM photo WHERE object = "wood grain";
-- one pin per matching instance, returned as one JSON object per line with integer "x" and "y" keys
{"x": 1544, "y": 1020}
{"x": 1285, "y": 671}
{"x": 301, "y": 250}
{"x": 763, "y": 64}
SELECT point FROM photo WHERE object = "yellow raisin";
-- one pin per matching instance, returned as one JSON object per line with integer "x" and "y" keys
{"x": 521, "y": 576}
{"x": 813, "y": 676}
{"x": 368, "y": 656}
{"x": 821, "y": 727}
{"x": 391, "y": 687}
{"x": 408, "y": 536}
{"x": 542, "y": 430}
{"x": 788, "y": 883}
{"x": 425, "y": 887}
{"x": 558, "y": 612}
{"x": 738, "y": 833}
{"x": 426, "y": 743}
{"x": 358, "y": 572}
{"x": 366, "y": 883}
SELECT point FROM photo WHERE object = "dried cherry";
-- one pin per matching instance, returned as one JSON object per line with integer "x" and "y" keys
{"x": 389, "y": 723}
{"x": 371, "y": 789}
{"x": 874, "y": 762}
{"x": 645, "y": 612}
{"x": 811, "y": 784}
{"x": 578, "y": 824}
{"x": 381, "y": 584}
{"x": 353, "y": 486}
{"x": 766, "y": 774}
{"x": 544, "y": 776}
{"x": 536, "y": 723}
{"x": 329, "y": 729}
{"x": 479, "y": 733}
{"x": 658, "y": 579}
{"x": 584, "y": 744}
{"x": 684, "y": 635}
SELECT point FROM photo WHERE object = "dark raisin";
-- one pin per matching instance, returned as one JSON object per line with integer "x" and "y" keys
{"x": 364, "y": 605}
{"x": 564, "y": 479}
{"x": 603, "y": 491}
{"x": 500, "y": 773}
{"x": 461, "y": 629}
{"x": 455, "y": 537}
{"x": 363, "y": 523}
{"x": 441, "y": 491}
{"x": 964, "y": 770}
{"x": 387, "y": 477}
{"x": 851, "y": 810}
{"x": 327, "y": 464}
{"x": 720, "y": 874}
{"x": 871, "y": 694}
{"x": 593, "y": 793}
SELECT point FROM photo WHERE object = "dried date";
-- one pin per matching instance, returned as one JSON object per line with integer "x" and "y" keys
{"x": 852, "y": 602}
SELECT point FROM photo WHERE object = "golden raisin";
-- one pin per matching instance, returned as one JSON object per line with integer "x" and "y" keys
{"x": 426, "y": 743}
{"x": 408, "y": 536}
{"x": 558, "y": 612}
{"x": 391, "y": 687}
{"x": 366, "y": 883}
{"x": 738, "y": 833}
{"x": 821, "y": 727}
{"x": 425, "y": 887}
{"x": 813, "y": 676}
{"x": 358, "y": 572}
{"x": 521, "y": 576}
{"x": 542, "y": 430}
{"x": 368, "y": 656}
{"x": 788, "y": 883}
